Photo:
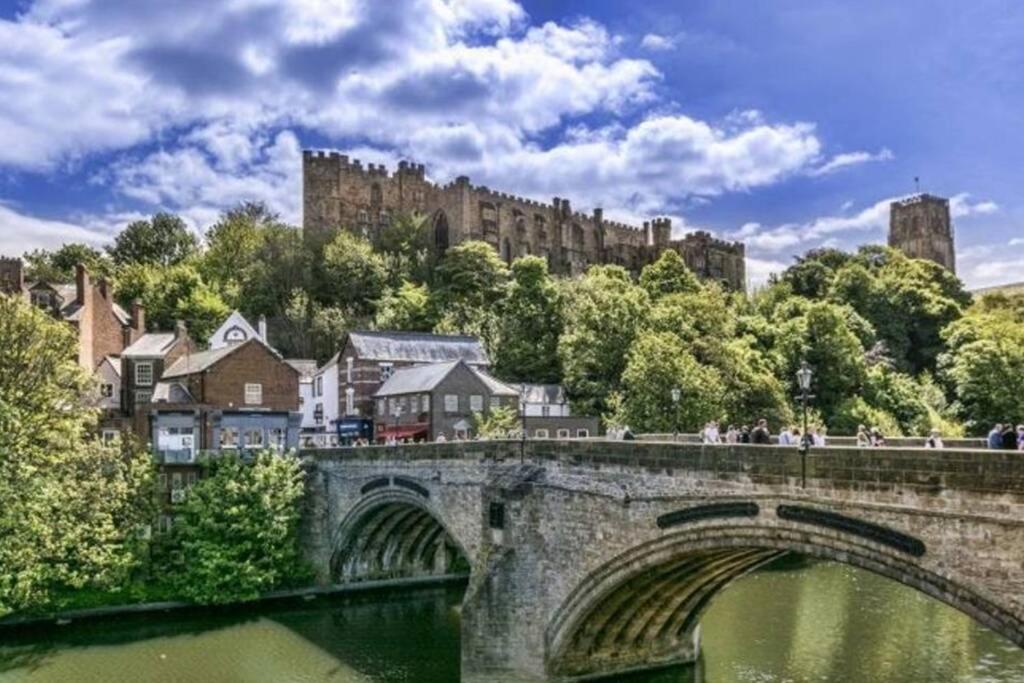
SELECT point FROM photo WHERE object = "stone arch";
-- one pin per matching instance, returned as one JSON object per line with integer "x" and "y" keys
{"x": 394, "y": 533}
{"x": 642, "y": 608}
{"x": 440, "y": 232}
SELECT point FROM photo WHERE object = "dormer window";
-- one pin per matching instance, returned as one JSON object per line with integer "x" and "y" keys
{"x": 386, "y": 370}
{"x": 235, "y": 335}
{"x": 144, "y": 374}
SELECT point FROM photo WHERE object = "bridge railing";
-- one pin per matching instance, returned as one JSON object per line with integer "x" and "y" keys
{"x": 919, "y": 470}
{"x": 842, "y": 441}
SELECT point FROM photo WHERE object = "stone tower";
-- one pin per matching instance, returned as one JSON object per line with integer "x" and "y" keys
{"x": 920, "y": 227}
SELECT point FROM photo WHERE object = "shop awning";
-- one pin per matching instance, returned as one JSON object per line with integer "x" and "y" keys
{"x": 402, "y": 431}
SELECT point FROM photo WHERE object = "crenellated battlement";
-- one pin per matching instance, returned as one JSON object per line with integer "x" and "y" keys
{"x": 340, "y": 163}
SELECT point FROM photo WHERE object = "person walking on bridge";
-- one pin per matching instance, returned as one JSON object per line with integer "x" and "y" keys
{"x": 934, "y": 440}
{"x": 1009, "y": 437}
{"x": 761, "y": 435}
{"x": 995, "y": 437}
{"x": 1020, "y": 437}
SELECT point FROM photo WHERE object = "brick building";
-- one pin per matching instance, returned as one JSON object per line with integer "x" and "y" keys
{"x": 338, "y": 193}
{"x": 347, "y": 384}
{"x": 425, "y": 401}
{"x": 103, "y": 327}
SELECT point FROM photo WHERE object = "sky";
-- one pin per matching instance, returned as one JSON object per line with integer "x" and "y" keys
{"x": 785, "y": 124}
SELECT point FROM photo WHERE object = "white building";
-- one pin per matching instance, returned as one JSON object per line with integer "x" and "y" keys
{"x": 236, "y": 329}
{"x": 544, "y": 400}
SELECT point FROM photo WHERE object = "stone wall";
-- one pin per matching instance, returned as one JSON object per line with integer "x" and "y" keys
{"x": 920, "y": 227}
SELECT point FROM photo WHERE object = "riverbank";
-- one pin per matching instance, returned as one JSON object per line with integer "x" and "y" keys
{"x": 63, "y": 618}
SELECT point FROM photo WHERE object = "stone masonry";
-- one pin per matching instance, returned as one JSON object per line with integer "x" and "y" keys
{"x": 594, "y": 557}
{"x": 339, "y": 193}
{"x": 920, "y": 227}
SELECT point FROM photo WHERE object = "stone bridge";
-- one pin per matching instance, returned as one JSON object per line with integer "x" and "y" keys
{"x": 591, "y": 558}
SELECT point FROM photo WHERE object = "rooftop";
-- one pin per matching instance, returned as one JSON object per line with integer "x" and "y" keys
{"x": 150, "y": 345}
{"x": 424, "y": 378}
{"x": 418, "y": 347}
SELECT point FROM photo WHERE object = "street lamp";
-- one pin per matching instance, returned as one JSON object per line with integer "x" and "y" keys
{"x": 675, "y": 413}
{"x": 523, "y": 395}
{"x": 803, "y": 381}
{"x": 397, "y": 412}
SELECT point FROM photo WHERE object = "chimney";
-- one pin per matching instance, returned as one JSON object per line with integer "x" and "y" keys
{"x": 12, "y": 276}
{"x": 105, "y": 289}
{"x": 138, "y": 317}
{"x": 180, "y": 331}
{"x": 263, "y": 329}
{"x": 81, "y": 283}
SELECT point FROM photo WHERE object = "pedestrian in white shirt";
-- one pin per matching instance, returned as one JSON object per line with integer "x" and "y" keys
{"x": 785, "y": 437}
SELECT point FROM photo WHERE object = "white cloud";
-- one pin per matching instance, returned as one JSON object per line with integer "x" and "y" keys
{"x": 656, "y": 42}
{"x": 841, "y": 161}
{"x": 22, "y": 233}
{"x": 1017, "y": 242}
{"x": 759, "y": 270}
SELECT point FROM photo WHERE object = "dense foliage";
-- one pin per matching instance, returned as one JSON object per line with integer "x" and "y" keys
{"x": 236, "y": 536}
{"x": 72, "y": 507}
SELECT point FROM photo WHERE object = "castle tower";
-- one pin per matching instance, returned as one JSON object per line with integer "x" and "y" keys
{"x": 920, "y": 227}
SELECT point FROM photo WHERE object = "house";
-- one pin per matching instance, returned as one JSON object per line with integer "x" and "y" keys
{"x": 548, "y": 414}
{"x": 307, "y": 370}
{"x": 143, "y": 364}
{"x": 104, "y": 328}
{"x": 425, "y": 401}
{"x": 347, "y": 384}
{"x": 236, "y": 329}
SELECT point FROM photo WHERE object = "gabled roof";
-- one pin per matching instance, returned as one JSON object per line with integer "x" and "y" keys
{"x": 115, "y": 363}
{"x": 424, "y": 378}
{"x": 150, "y": 345}
{"x": 235, "y": 320}
{"x": 171, "y": 392}
{"x": 306, "y": 368}
{"x": 549, "y": 394}
{"x": 417, "y": 347}
{"x": 203, "y": 360}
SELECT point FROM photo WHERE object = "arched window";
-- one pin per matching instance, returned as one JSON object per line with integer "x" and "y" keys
{"x": 577, "y": 237}
{"x": 506, "y": 251}
{"x": 440, "y": 232}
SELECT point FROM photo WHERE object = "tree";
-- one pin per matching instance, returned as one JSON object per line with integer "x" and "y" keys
{"x": 356, "y": 275}
{"x": 71, "y": 505}
{"x": 658, "y": 363}
{"x": 604, "y": 311}
{"x": 469, "y": 287}
{"x": 408, "y": 308}
{"x": 237, "y": 533}
{"x": 59, "y": 265}
{"x": 164, "y": 240}
{"x": 172, "y": 294}
{"x": 530, "y": 324}
{"x": 404, "y": 245}
{"x": 498, "y": 423}
{"x": 668, "y": 275}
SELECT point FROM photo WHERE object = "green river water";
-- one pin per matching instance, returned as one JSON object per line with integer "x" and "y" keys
{"x": 790, "y": 623}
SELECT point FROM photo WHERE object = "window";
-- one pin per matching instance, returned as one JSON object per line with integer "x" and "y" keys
{"x": 350, "y": 401}
{"x": 161, "y": 481}
{"x": 541, "y": 433}
{"x": 386, "y": 370}
{"x": 393, "y": 406}
{"x": 318, "y": 413}
{"x": 143, "y": 397}
{"x": 451, "y": 403}
{"x": 545, "y": 411}
{"x": 110, "y": 436}
{"x": 277, "y": 439}
{"x": 476, "y": 403}
{"x": 253, "y": 394}
{"x": 381, "y": 409}
{"x": 319, "y": 386}
{"x": 177, "y": 481}
{"x": 426, "y": 403}
{"x": 414, "y": 405}
{"x": 190, "y": 479}
{"x": 496, "y": 515}
{"x": 144, "y": 374}
{"x": 582, "y": 433}
{"x": 563, "y": 433}
{"x": 107, "y": 390}
{"x": 348, "y": 369}
{"x": 229, "y": 437}
{"x": 253, "y": 438}
{"x": 495, "y": 402}
{"x": 166, "y": 522}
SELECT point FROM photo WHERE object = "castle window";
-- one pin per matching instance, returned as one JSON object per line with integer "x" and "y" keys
{"x": 364, "y": 217}
{"x": 376, "y": 195}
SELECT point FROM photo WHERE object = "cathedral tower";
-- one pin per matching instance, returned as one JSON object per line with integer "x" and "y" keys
{"x": 920, "y": 227}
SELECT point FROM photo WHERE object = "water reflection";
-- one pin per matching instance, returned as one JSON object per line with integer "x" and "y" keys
{"x": 793, "y": 622}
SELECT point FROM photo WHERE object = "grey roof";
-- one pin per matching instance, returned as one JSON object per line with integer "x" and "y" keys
{"x": 494, "y": 386}
{"x": 122, "y": 315}
{"x": 171, "y": 392}
{"x": 306, "y": 368}
{"x": 115, "y": 362}
{"x": 547, "y": 394}
{"x": 197, "y": 362}
{"x": 416, "y": 379}
{"x": 418, "y": 347}
{"x": 150, "y": 345}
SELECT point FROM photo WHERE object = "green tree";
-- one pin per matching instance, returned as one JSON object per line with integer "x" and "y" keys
{"x": 59, "y": 265}
{"x": 469, "y": 288}
{"x": 164, "y": 240}
{"x": 356, "y": 277}
{"x": 658, "y": 363}
{"x": 668, "y": 275}
{"x": 408, "y": 308}
{"x": 404, "y": 245}
{"x": 604, "y": 312}
{"x": 237, "y": 533}
{"x": 172, "y": 294}
{"x": 530, "y": 325}
{"x": 71, "y": 505}
{"x": 498, "y": 423}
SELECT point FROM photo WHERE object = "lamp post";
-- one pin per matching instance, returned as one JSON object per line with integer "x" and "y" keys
{"x": 523, "y": 394}
{"x": 397, "y": 412}
{"x": 675, "y": 413}
{"x": 803, "y": 381}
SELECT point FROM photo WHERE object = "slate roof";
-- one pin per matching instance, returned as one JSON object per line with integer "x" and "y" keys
{"x": 418, "y": 347}
{"x": 424, "y": 378}
{"x": 115, "y": 363}
{"x": 150, "y": 345}
{"x": 545, "y": 394}
{"x": 306, "y": 368}
{"x": 197, "y": 362}
{"x": 171, "y": 392}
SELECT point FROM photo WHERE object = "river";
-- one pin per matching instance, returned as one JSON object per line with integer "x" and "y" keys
{"x": 793, "y": 622}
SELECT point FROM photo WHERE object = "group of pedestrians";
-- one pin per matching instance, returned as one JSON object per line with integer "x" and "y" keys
{"x": 871, "y": 438}
{"x": 1007, "y": 438}
{"x": 761, "y": 434}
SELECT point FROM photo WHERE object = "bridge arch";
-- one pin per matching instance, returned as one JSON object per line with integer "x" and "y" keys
{"x": 641, "y": 609}
{"x": 394, "y": 533}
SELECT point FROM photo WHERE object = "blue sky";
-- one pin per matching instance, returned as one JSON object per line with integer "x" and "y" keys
{"x": 786, "y": 124}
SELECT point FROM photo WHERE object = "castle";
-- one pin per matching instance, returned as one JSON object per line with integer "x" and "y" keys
{"x": 337, "y": 193}
{"x": 920, "y": 227}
